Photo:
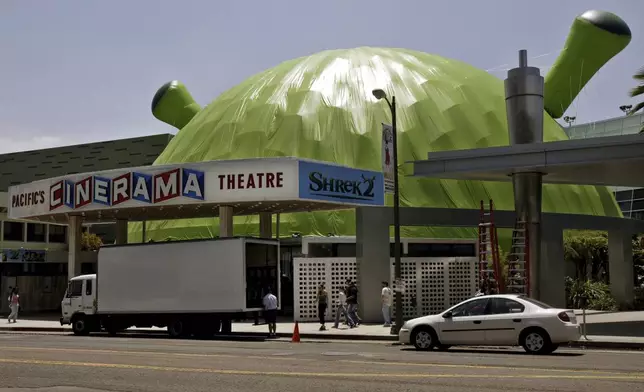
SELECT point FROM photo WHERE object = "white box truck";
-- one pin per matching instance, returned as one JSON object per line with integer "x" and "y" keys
{"x": 191, "y": 287}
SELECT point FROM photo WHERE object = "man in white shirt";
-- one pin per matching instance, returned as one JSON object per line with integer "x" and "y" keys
{"x": 270, "y": 312}
{"x": 341, "y": 307}
{"x": 386, "y": 297}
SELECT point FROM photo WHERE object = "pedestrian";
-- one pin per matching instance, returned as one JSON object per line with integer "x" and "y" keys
{"x": 14, "y": 304}
{"x": 352, "y": 305}
{"x": 386, "y": 296}
{"x": 341, "y": 307}
{"x": 270, "y": 312}
{"x": 323, "y": 303}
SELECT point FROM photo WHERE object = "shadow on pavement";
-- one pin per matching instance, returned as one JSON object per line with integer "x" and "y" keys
{"x": 163, "y": 335}
{"x": 508, "y": 351}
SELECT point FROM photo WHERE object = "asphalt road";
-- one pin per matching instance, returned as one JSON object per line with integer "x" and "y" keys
{"x": 64, "y": 363}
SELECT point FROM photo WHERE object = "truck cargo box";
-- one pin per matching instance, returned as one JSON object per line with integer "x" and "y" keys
{"x": 204, "y": 276}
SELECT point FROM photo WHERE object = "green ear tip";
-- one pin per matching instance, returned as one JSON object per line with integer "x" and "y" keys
{"x": 161, "y": 92}
{"x": 606, "y": 21}
{"x": 174, "y": 105}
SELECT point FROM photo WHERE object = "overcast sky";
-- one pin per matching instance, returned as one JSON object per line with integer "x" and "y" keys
{"x": 86, "y": 70}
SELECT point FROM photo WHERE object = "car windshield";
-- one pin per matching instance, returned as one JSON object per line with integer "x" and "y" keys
{"x": 535, "y": 302}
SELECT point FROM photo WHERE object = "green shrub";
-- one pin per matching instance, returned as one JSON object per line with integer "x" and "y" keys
{"x": 598, "y": 295}
{"x": 638, "y": 304}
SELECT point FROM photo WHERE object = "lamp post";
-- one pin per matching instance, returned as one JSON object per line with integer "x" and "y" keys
{"x": 380, "y": 94}
{"x": 570, "y": 120}
{"x": 626, "y": 108}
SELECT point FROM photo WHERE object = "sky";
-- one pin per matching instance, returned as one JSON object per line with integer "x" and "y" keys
{"x": 77, "y": 71}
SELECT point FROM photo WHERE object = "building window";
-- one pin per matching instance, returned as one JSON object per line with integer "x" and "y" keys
{"x": 36, "y": 232}
{"x": 14, "y": 231}
{"x": 638, "y": 193}
{"x": 638, "y": 205}
{"x": 57, "y": 234}
{"x": 622, "y": 196}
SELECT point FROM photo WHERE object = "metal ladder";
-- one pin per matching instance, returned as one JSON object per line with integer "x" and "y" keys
{"x": 518, "y": 281}
{"x": 490, "y": 281}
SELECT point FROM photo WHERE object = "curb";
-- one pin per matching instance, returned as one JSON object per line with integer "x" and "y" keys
{"x": 288, "y": 335}
{"x": 581, "y": 344}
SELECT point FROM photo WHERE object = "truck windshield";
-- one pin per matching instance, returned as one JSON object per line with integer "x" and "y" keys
{"x": 75, "y": 288}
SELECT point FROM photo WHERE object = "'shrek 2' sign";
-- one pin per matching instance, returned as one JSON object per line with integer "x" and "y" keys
{"x": 142, "y": 187}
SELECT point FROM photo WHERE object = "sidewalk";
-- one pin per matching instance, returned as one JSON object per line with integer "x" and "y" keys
{"x": 311, "y": 331}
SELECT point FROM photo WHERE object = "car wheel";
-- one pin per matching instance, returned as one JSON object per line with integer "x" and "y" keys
{"x": 424, "y": 338}
{"x": 80, "y": 326}
{"x": 536, "y": 341}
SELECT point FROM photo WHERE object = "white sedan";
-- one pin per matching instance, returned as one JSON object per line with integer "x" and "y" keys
{"x": 494, "y": 320}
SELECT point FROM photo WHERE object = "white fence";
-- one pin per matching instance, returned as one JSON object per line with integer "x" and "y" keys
{"x": 434, "y": 282}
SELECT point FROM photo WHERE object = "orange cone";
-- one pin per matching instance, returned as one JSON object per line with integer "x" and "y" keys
{"x": 296, "y": 333}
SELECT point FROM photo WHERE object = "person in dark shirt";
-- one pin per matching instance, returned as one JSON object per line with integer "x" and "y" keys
{"x": 323, "y": 303}
{"x": 352, "y": 305}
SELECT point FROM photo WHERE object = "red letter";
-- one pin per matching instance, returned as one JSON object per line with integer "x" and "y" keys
{"x": 251, "y": 181}
{"x": 269, "y": 180}
{"x": 280, "y": 178}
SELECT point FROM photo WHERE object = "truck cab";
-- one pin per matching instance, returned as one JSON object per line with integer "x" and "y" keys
{"x": 80, "y": 299}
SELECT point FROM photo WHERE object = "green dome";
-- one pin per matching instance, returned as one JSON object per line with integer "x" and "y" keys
{"x": 321, "y": 107}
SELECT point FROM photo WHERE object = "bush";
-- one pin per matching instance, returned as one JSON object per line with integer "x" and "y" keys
{"x": 598, "y": 295}
{"x": 638, "y": 304}
{"x": 90, "y": 242}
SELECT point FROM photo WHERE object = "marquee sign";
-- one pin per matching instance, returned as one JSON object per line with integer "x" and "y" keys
{"x": 137, "y": 186}
{"x": 339, "y": 184}
{"x": 205, "y": 182}
{"x": 215, "y": 182}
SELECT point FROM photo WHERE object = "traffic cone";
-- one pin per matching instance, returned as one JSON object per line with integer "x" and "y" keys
{"x": 296, "y": 333}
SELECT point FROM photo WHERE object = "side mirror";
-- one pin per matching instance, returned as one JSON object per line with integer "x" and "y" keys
{"x": 447, "y": 315}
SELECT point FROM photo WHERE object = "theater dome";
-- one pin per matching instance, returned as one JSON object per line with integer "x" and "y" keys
{"x": 321, "y": 107}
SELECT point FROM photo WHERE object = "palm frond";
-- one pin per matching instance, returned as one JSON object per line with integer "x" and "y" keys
{"x": 636, "y": 91}
{"x": 637, "y": 108}
{"x": 639, "y": 75}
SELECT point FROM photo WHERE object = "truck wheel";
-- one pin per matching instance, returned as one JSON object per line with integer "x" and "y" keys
{"x": 226, "y": 326}
{"x": 80, "y": 326}
{"x": 176, "y": 329}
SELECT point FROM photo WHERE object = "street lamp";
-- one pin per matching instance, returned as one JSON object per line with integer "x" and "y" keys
{"x": 626, "y": 108}
{"x": 569, "y": 120}
{"x": 381, "y": 94}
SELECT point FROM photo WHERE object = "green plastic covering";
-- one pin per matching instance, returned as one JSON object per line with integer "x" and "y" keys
{"x": 598, "y": 33}
{"x": 321, "y": 107}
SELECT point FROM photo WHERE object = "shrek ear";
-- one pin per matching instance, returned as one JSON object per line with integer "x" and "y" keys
{"x": 595, "y": 37}
{"x": 174, "y": 105}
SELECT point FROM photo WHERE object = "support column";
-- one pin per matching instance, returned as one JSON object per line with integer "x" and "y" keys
{"x": 121, "y": 231}
{"x": 373, "y": 259}
{"x": 265, "y": 225}
{"x": 620, "y": 266}
{"x": 552, "y": 273}
{"x": 143, "y": 228}
{"x": 74, "y": 231}
{"x": 225, "y": 221}
{"x": 524, "y": 108}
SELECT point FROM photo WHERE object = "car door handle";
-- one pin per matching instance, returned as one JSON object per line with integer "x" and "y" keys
{"x": 516, "y": 320}
{"x": 477, "y": 322}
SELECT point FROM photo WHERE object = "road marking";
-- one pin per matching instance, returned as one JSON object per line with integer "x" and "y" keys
{"x": 282, "y": 357}
{"x": 489, "y": 367}
{"x": 318, "y": 374}
{"x": 127, "y": 352}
